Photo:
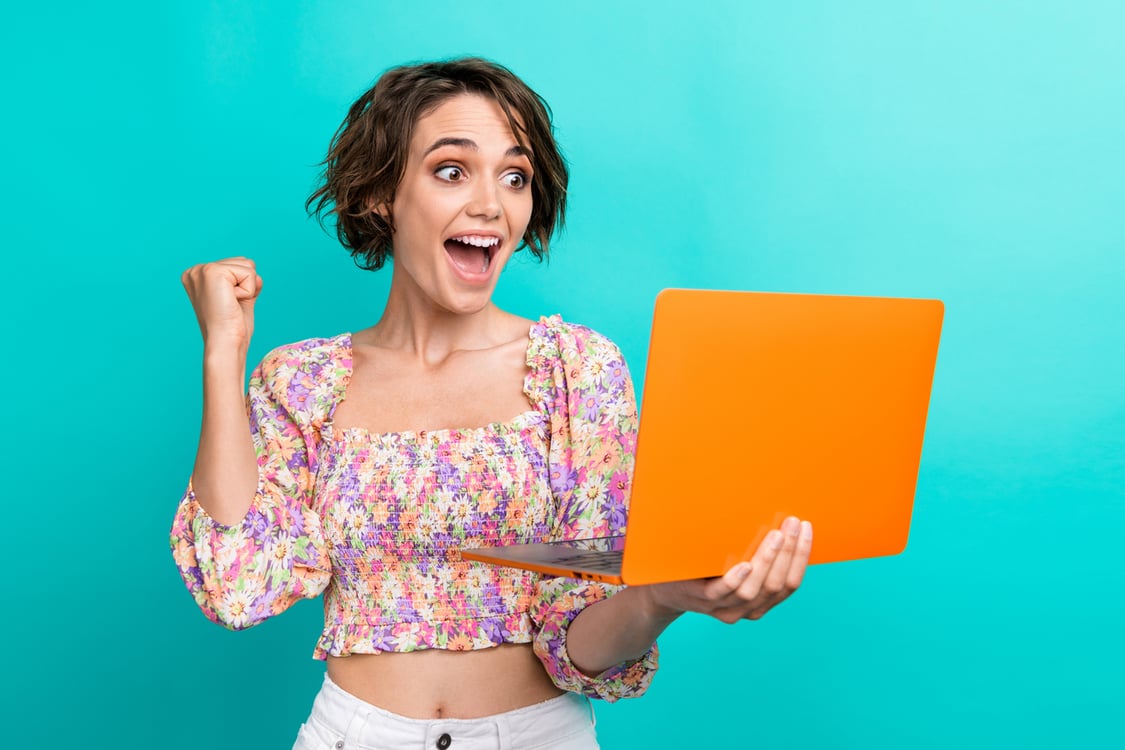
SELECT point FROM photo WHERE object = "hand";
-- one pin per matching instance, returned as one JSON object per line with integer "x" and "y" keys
{"x": 749, "y": 589}
{"x": 223, "y": 294}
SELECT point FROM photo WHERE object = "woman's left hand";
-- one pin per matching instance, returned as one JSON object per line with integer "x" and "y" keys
{"x": 748, "y": 590}
{"x": 625, "y": 625}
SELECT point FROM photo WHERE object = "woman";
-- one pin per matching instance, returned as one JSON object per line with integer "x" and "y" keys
{"x": 367, "y": 460}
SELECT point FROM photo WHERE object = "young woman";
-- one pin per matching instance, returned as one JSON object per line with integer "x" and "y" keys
{"x": 365, "y": 461}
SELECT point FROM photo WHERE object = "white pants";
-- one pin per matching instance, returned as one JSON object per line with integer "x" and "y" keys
{"x": 340, "y": 721}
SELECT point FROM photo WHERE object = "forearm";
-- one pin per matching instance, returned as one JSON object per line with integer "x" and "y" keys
{"x": 617, "y": 629}
{"x": 226, "y": 470}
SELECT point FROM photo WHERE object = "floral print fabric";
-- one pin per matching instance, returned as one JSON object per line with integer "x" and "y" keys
{"x": 376, "y": 521}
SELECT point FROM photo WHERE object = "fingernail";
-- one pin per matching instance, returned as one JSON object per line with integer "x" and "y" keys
{"x": 806, "y": 530}
{"x": 774, "y": 539}
{"x": 791, "y": 525}
{"x": 744, "y": 570}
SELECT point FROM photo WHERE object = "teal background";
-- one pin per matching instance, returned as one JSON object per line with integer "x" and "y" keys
{"x": 968, "y": 151}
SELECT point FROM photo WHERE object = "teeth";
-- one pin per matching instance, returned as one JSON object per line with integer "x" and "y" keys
{"x": 477, "y": 240}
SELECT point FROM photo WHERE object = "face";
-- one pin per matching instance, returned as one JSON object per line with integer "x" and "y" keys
{"x": 462, "y": 206}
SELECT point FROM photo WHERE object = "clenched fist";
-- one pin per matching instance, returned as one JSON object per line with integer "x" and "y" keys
{"x": 223, "y": 294}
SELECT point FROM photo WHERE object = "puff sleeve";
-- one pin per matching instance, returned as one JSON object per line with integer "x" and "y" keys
{"x": 239, "y": 575}
{"x": 593, "y": 415}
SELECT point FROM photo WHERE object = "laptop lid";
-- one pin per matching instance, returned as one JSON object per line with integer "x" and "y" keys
{"x": 758, "y": 406}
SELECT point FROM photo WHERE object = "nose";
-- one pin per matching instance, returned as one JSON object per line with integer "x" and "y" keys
{"x": 485, "y": 200}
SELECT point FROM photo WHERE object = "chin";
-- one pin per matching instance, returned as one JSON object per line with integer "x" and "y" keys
{"x": 469, "y": 303}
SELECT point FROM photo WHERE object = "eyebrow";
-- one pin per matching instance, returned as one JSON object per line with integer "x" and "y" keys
{"x": 472, "y": 146}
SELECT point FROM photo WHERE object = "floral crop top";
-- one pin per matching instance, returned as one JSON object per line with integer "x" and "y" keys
{"x": 376, "y": 521}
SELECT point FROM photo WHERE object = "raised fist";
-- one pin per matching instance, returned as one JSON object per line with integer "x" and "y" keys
{"x": 223, "y": 294}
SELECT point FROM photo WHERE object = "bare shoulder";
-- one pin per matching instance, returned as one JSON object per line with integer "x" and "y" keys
{"x": 515, "y": 328}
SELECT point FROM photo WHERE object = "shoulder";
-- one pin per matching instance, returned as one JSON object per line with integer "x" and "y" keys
{"x": 306, "y": 374}
{"x": 308, "y": 357}
{"x": 571, "y": 344}
{"x": 570, "y": 361}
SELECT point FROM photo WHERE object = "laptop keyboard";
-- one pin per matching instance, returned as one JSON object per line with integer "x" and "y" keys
{"x": 593, "y": 559}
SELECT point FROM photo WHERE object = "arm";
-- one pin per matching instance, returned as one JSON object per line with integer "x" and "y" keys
{"x": 226, "y": 471}
{"x": 245, "y": 537}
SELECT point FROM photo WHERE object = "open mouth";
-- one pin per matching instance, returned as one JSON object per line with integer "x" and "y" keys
{"x": 472, "y": 253}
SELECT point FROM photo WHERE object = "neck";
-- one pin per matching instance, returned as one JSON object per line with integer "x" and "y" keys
{"x": 413, "y": 324}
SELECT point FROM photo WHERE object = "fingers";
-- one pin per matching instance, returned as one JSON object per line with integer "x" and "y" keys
{"x": 764, "y": 560}
{"x": 247, "y": 282}
{"x": 778, "y": 574}
{"x": 714, "y": 595}
{"x": 800, "y": 561}
{"x": 749, "y": 590}
{"x": 788, "y": 569}
{"x": 237, "y": 273}
{"x": 223, "y": 293}
{"x": 743, "y": 582}
{"x": 723, "y": 587}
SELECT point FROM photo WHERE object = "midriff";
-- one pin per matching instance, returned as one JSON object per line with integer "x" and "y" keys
{"x": 435, "y": 683}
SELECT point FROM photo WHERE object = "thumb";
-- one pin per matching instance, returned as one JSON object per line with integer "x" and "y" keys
{"x": 729, "y": 581}
{"x": 247, "y": 286}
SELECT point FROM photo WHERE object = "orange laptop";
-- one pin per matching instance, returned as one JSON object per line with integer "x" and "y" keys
{"x": 756, "y": 407}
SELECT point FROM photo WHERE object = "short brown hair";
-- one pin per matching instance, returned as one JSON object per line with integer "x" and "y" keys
{"x": 367, "y": 157}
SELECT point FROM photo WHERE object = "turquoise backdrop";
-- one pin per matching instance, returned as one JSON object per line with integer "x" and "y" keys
{"x": 969, "y": 151}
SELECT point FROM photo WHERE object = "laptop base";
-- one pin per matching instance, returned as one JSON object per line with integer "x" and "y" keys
{"x": 589, "y": 559}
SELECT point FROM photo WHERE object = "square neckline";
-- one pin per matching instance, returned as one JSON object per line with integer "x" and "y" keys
{"x": 534, "y": 416}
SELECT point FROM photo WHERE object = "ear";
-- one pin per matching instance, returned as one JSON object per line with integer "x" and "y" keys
{"x": 381, "y": 208}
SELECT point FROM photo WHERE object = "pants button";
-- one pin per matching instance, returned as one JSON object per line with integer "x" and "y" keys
{"x": 339, "y": 745}
{"x": 444, "y": 742}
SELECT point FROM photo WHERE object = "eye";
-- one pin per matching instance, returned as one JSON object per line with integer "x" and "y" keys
{"x": 450, "y": 174}
{"x": 516, "y": 180}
